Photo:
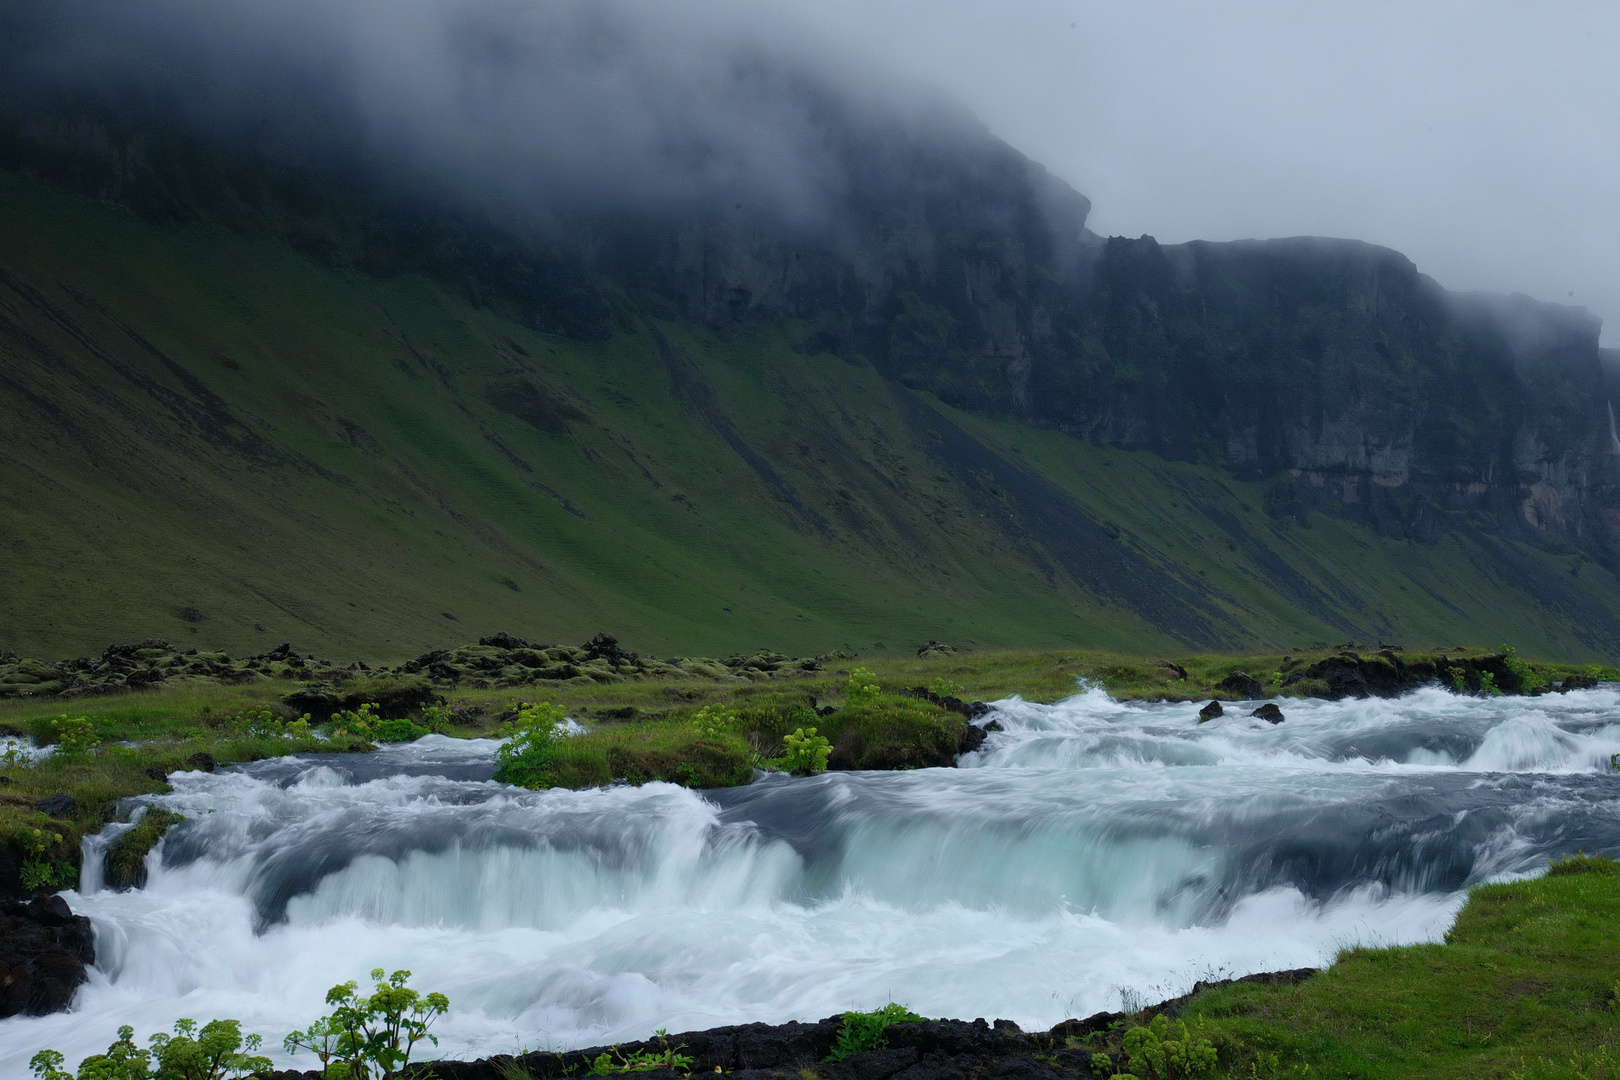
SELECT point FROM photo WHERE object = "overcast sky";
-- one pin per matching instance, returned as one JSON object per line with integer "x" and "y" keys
{"x": 1480, "y": 138}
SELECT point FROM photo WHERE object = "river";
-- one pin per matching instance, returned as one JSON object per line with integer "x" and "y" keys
{"x": 1095, "y": 852}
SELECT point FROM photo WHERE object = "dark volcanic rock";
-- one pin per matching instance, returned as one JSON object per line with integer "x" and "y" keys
{"x": 202, "y": 761}
{"x": 916, "y": 1050}
{"x": 44, "y": 952}
{"x": 393, "y": 700}
{"x": 1243, "y": 684}
{"x": 60, "y": 806}
{"x": 1269, "y": 712}
{"x": 1210, "y": 712}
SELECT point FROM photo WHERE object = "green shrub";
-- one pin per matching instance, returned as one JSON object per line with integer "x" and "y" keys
{"x": 216, "y": 1052}
{"x": 362, "y": 721}
{"x": 861, "y": 1032}
{"x": 74, "y": 736}
{"x": 399, "y": 731}
{"x": 714, "y": 722}
{"x": 38, "y": 870}
{"x": 372, "y": 1037}
{"x": 527, "y": 757}
{"x": 1527, "y": 678}
{"x": 615, "y": 1062}
{"x": 1160, "y": 1051}
{"x": 862, "y": 687}
{"x": 804, "y": 752}
{"x": 1487, "y": 685}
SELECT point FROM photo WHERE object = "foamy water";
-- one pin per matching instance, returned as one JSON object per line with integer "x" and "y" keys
{"x": 1094, "y": 850}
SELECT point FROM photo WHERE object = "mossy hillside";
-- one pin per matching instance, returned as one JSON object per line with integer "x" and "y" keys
{"x": 213, "y": 434}
{"x": 1524, "y": 985}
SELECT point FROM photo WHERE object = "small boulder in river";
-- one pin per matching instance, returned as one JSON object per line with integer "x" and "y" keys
{"x": 1210, "y": 712}
{"x": 1269, "y": 712}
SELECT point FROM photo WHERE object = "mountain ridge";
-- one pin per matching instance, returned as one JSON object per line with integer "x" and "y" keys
{"x": 350, "y": 451}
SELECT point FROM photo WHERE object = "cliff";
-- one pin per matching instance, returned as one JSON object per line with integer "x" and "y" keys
{"x": 248, "y": 400}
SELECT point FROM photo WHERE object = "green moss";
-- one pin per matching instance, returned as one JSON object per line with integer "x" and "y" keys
{"x": 125, "y": 862}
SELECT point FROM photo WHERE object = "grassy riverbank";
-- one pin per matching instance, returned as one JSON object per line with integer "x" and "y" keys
{"x": 1525, "y": 985}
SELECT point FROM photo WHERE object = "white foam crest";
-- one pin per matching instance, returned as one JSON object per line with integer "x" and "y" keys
{"x": 1430, "y": 727}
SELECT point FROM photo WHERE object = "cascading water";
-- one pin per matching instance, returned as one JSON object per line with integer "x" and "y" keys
{"x": 1093, "y": 850}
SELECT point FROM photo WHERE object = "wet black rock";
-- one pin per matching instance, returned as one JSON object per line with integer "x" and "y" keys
{"x": 393, "y": 699}
{"x": 1242, "y": 684}
{"x": 972, "y": 738}
{"x": 201, "y": 761}
{"x": 1210, "y": 712}
{"x": 1348, "y": 674}
{"x": 504, "y": 640}
{"x": 58, "y": 806}
{"x": 45, "y": 951}
{"x": 1270, "y": 713}
{"x": 606, "y": 647}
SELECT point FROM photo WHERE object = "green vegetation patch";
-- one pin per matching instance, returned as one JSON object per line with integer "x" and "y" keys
{"x": 125, "y": 861}
{"x": 863, "y": 1031}
{"x": 1525, "y": 985}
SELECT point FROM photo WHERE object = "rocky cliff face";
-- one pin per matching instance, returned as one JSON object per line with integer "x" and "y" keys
{"x": 1332, "y": 369}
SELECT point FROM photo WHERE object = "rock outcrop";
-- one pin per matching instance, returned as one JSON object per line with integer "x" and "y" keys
{"x": 499, "y": 660}
{"x": 45, "y": 951}
{"x": 915, "y": 1050}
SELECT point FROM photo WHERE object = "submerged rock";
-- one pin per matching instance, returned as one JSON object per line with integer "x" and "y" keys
{"x": 45, "y": 951}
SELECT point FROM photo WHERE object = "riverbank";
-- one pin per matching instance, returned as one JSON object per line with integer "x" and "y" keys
{"x": 1524, "y": 985}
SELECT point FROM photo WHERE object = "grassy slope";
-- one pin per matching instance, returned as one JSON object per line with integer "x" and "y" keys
{"x": 194, "y": 419}
{"x": 1523, "y": 986}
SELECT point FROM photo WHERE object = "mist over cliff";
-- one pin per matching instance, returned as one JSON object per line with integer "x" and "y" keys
{"x": 562, "y": 106}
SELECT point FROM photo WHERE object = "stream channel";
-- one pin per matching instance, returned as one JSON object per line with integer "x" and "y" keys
{"x": 1093, "y": 853}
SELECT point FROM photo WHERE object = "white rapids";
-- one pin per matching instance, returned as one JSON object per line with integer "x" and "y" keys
{"x": 1093, "y": 852}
